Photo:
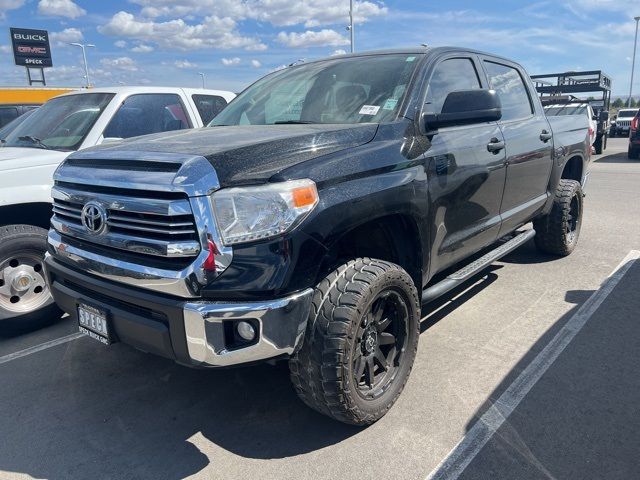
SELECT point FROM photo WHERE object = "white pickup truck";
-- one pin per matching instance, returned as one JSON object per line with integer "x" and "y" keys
{"x": 31, "y": 153}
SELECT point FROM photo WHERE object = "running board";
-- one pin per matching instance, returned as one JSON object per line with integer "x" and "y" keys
{"x": 468, "y": 271}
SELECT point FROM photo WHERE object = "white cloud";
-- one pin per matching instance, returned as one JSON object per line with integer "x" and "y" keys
{"x": 66, "y": 36}
{"x": 255, "y": 64}
{"x": 60, "y": 8}
{"x": 230, "y": 61}
{"x": 185, "y": 64}
{"x": 312, "y": 38}
{"x": 6, "y": 5}
{"x": 339, "y": 51}
{"x": 142, "y": 48}
{"x": 213, "y": 32}
{"x": 120, "y": 63}
{"x": 5, "y": 49}
{"x": 120, "y": 44}
{"x": 311, "y": 13}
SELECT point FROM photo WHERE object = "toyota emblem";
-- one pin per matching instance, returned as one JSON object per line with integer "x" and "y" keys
{"x": 94, "y": 218}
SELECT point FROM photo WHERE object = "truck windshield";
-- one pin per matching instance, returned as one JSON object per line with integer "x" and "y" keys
{"x": 627, "y": 113}
{"x": 60, "y": 124}
{"x": 342, "y": 90}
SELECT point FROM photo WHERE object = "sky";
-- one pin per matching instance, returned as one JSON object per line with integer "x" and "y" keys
{"x": 235, "y": 42}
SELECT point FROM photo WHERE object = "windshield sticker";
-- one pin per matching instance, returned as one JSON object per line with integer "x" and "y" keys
{"x": 390, "y": 104}
{"x": 369, "y": 110}
{"x": 410, "y": 59}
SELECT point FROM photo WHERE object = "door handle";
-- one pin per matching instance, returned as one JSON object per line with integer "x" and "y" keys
{"x": 545, "y": 136}
{"x": 495, "y": 145}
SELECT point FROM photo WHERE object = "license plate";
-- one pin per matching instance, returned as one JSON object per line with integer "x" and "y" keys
{"x": 93, "y": 322}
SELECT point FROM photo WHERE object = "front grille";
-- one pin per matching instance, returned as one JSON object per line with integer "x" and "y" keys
{"x": 623, "y": 123}
{"x": 142, "y": 224}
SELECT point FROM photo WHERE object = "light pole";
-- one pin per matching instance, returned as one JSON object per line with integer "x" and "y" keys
{"x": 84, "y": 46}
{"x": 202, "y": 76}
{"x": 350, "y": 28}
{"x": 633, "y": 61}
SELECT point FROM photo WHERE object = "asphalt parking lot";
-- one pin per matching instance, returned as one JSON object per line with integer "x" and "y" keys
{"x": 530, "y": 371}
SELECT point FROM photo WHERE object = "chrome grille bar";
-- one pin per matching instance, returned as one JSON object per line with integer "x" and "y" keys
{"x": 144, "y": 226}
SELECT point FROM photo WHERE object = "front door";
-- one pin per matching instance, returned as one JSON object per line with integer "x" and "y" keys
{"x": 466, "y": 174}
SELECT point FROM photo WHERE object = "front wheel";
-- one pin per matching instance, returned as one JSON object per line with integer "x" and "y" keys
{"x": 360, "y": 343}
{"x": 558, "y": 231}
{"x": 25, "y": 299}
{"x": 633, "y": 153}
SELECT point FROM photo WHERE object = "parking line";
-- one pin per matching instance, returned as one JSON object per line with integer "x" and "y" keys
{"x": 472, "y": 443}
{"x": 39, "y": 348}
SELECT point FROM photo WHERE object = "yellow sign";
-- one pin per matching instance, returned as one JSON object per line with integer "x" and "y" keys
{"x": 29, "y": 95}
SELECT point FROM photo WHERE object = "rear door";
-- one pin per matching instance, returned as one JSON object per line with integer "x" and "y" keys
{"x": 466, "y": 179}
{"x": 528, "y": 141}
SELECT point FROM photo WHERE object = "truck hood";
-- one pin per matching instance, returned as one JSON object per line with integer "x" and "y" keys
{"x": 15, "y": 157}
{"x": 247, "y": 153}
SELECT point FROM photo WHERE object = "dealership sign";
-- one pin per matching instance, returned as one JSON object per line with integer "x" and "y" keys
{"x": 31, "y": 47}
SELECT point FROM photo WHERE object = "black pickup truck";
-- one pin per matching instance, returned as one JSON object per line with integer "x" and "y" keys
{"x": 314, "y": 217}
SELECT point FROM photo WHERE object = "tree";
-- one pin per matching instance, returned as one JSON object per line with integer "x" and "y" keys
{"x": 618, "y": 103}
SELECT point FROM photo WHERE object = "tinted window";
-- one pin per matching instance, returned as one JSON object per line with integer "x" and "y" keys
{"x": 450, "y": 76}
{"x": 147, "y": 113}
{"x": 208, "y": 106}
{"x": 341, "y": 90}
{"x": 627, "y": 113}
{"x": 511, "y": 90}
{"x": 7, "y": 114}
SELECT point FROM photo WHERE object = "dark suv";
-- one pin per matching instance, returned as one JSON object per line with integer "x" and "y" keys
{"x": 8, "y": 113}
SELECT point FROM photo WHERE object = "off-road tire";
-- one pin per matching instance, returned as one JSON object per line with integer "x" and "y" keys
{"x": 321, "y": 371}
{"x": 633, "y": 153}
{"x": 553, "y": 231}
{"x": 14, "y": 240}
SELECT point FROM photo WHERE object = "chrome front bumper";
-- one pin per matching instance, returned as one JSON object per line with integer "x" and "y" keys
{"x": 191, "y": 332}
{"x": 281, "y": 326}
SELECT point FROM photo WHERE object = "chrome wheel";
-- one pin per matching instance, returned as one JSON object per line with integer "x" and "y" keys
{"x": 23, "y": 288}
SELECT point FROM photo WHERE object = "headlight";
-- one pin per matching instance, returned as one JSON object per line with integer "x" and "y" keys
{"x": 254, "y": 213}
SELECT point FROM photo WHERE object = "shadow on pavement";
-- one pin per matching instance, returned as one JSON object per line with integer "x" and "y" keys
{"x": 582, "y": 418}
{"x": 620, "y": 157}
{"x": 105, "y": 413}
{"x": 84, "y": 411}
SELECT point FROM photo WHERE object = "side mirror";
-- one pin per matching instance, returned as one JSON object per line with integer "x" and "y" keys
{"x": 604, "y": 115}
{"x": 465, "y": 107}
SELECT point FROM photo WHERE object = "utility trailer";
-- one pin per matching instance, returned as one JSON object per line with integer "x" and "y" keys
{"x": 557, "y": 87}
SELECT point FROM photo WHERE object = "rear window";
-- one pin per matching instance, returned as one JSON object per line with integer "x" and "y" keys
{"x": 208, "y": 106}
{"x": 566, "y": 110}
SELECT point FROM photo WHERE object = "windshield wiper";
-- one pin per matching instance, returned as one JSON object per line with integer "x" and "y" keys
{"x": 34, "y": 140}
{"x": 292, "y": 122}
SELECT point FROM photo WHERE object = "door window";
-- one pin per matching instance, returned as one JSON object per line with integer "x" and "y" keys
{"x": 147, "y": 113}
{"x": 208, "y": 106}
{"x": 449, "y": 76}
{"x": 507, "y": 82}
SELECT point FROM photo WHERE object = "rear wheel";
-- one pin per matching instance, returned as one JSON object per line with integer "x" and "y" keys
{"x": 360, "y": 343}
{"x": 558, "y": 231}
{"x": 25, "y": 299}
{"x": 633, "y": 153}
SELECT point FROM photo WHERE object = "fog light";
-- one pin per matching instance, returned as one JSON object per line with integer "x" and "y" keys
{"x": 246, "y": 331}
